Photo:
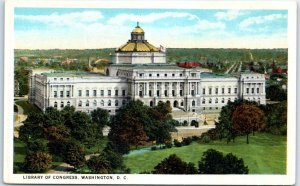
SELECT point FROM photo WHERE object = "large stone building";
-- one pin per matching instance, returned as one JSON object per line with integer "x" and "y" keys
{"x": 139, "y": 71}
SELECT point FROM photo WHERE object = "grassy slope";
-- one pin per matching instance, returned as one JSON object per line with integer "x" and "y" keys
{"x": 27, "y": 107}
{"x": 266, "y": 154}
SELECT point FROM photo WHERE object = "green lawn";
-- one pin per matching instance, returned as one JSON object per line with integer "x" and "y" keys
{"x": 27, "y": 107}
{"x": 266, "y": 154}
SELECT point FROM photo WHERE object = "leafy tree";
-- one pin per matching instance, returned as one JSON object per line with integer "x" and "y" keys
{"x": 37, "y": 145}
{"x": 52, "y": 117}
{"x": 33, "y": 127}
{"x": 276, "y": 93}
{"x": 129, "y": 130}
{"x": 99, "y": 165}
{"x": 101, "y": 117}
{"x": 174, "y": 165}
{"x": 276, "y": 118}
{"x": 57, "y": 133}
{"x": 214, "y": 162}
{"x": 74, "y": 154}
{"x": 247, "y": 118}
{"x": 21, "y": 75}
{"x": 37, "y": 162}
{"x": 115, "y": 159}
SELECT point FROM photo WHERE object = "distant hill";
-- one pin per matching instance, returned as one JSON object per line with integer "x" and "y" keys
{"x": 173, "y": 54}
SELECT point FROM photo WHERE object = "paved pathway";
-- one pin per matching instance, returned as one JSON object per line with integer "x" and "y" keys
{"x": 20, "y": 117}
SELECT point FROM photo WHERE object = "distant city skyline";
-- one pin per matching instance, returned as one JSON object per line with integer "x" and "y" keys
{"x": 78, "y": 28}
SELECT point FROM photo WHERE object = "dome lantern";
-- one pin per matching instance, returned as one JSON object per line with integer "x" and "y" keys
{"x": 137, "y": 34}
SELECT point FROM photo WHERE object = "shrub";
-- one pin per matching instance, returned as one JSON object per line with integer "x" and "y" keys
{"x": 185, "y": 123}
{"x": 186, "y": 141}
{"x": 36, "y": 145}
{"x": 99, "y": 165}
{"x": 37, "y": 162}
{"x": 205, "y": 138}
{"x": 195, "y": 138}
{"x": 177, "y": 143}
{"x": 169, "y": 145}
{"x": 154, "y": 148}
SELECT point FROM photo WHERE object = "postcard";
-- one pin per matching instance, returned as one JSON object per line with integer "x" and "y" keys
{"x": 150, "y": 92}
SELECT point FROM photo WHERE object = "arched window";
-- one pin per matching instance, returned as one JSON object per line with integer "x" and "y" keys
{"x": 181, "y": 104}
{"x": 193, "y": 103}
{"x": 62, "y": 104}
{"x": 95, "y": 103}
{"x": 80, "y": 104}
{"x": 102, "y": 103}
{"x": 203, "y": 101}
{"x": 109, "y": 103}
{"x": 87, "y": 103}
{"x": 68, "y": 103}
{"x": 151, "y": 103}
{"x": 55, "y": 104}
{"x": 116, "y": 103}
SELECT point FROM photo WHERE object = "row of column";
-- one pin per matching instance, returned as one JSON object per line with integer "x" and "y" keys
{"x": 188, "y": 87}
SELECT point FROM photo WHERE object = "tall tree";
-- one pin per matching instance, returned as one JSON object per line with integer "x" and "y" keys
{"x": 248, "y": 118}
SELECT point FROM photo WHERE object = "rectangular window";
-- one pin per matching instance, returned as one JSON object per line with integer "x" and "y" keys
{"x": 235, "y": 90}
{"x": 247, "y": 90}
{"x": 157, "y": 93}
{"x": 257, "y": 90}
{"x": 102, "y": 92}
{"x": 180, "y": 75}
{"x": 252, "y": 91}
{"x": 55, "y": 94}
{"x": 109, "y": 92}
{"x": 68, "y": 93}
{"x": 203, "y": 91}
{"x": 123, "y": 92}
{"x": 229, "y": 90}
{"x": 61, "y": 94}
{"x": 223, "y": 90}
{"x": 94, "y": 93}
{"x": 193, "y": 92}
{"x": 157, "y": 75}
{"x": 166, "y": 75}
{"x": 116, "y": 92}
{"x": 140, "y": 93}
{"x": 87, "y": 93}
{"x": 209, "y": 91}
{"x": 217, "y": 91}
{"x": 181, "y": 93}
{"x": 166, "y": 93}
{"x": 80, "y": 93}
{"x": 173, "y": 92}
{"x": 150, "y": 93}
{"x": 150, "y": 75}
{"x": 173, "y": 75}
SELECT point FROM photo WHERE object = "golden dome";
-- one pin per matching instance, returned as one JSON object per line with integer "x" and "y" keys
{"x": 138, "y": 30}
{"x": 137, "y": 47}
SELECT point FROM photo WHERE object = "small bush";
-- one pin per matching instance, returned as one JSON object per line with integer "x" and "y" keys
{"x": 195, "y": 138}
{"x": 185, "y": 123}
{"x": 186, "y": 141}
{"x": 154, "y": 148}
{"x": 177, "y": 143}
{"x": 37, "y": 162}
{"x": 168, "y": 145}
{"x": 205, "y": 138}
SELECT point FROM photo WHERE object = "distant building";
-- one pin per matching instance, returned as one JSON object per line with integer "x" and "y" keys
{"x": 139, "y": 72}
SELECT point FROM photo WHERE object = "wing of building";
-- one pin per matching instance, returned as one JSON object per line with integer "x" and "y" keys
{"x": 139, "y": 71}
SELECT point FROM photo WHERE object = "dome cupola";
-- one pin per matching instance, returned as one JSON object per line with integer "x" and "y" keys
{"x": 137, "y": 34}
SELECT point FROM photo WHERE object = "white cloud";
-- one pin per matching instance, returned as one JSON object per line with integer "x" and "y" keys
{"x": 67, "y": 19}
{"x": 229, "y": 15}
{"x": 260, "y": 20}
{"x": 149, "y": 18}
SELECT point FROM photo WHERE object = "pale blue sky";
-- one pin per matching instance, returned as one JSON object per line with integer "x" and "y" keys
{"x": 44, "y": 28}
